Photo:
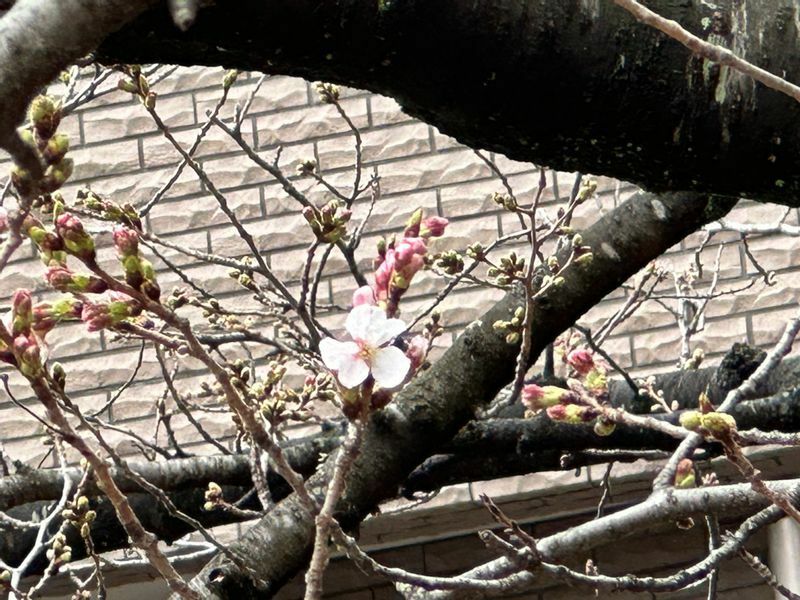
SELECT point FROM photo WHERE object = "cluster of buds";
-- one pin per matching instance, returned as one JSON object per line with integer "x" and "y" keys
{"x": 592, "y": 375}
{"x": 47, "y": 315}
{"x": 126, "y": 214}
{"x": 180, "y": 297}
{"x": 505, "y": 200}
{"x": 59, "y": 552}
{"x": 328, "y": 93}
{"x": 306, "y": 167}
{"x": 512, "y": 328}
{"x": 449, "y": 261}
{"x": 707, "y": 421}
{"x": 587, "y": 190}
{"x": 80, "y": 515}
{"x": 694, "y": 362}
{"x": 61, "y": 278}
{"x": 26, "y": 351}
{"x": 398, "y": 261}
{"x": 44, "y": 115}
{"x": 267, "y": 383}
{"x": 715, "y": 424}
{"x": 139, "y": 272}
{"x": 109, "y": 310}
{"x": 582, "y": 254}
{"x": 49, "y": 243}
{"x": 279, "y": 403}
{"x": 566, "y": 406}
{"x": 536, "y": 397}
{"x": 213, "y": 496}
{"x": 476, "y": 251}
{"x": 510, "y": 269}
{"x": 136, "y": 83}
{"x": 329, "y": 223}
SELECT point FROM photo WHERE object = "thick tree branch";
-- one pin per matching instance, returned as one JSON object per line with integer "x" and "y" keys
{"x": 664, "y": 505}
{"x": 39, "y": 38}
{"x": 603, "y": 93}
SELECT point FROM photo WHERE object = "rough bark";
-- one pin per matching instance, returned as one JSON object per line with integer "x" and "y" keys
{"x": 506, "y": 447}
{"x": 574, "y": 84}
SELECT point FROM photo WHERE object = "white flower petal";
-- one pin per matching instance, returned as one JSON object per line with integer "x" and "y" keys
{"x": 360, "y": 320}
{"x": 352, "y": 371}
{"x": 380, "y": 333}
{"x": 390, "y": 367}
{"x": 334, "y": 352}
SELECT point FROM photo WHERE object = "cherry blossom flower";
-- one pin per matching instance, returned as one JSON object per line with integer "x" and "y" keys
{"x": 368, "y": 353}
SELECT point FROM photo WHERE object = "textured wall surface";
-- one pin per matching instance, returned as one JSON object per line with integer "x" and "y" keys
{"x": 121, "y": 155}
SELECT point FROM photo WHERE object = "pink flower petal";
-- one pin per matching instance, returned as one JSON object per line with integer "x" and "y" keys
{"x": 360, "y": 319}
{"x": 381, "y": 331}
{"x": 363, "y": 295}
{"x": 390, "y": 367}
{"x": 352, "y": 372}
{"x": 334, "y": 352}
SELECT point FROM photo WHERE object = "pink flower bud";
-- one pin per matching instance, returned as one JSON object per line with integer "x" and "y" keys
{"x": 76, "y": 240}
{"x": 581, "y": 361}
{"x": 116, "y": 308}
{"x": 60, "y": 278}
{"x": 21, "y": 312}
{"x": 47, "y": 315}
{"x": 536, "y": 397}
{"x": 363, "y": 295}
{"x": 416, "y": 351}
{"x": 126, "y": 241}
{"x": 433, "y": 227}
{"x": 573, "y": 414}
{"x": 28, "y": 354}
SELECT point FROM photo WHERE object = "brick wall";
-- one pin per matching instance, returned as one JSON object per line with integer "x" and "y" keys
{"x": 121, "y": 155}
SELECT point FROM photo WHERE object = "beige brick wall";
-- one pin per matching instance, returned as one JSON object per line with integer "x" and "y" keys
{"x": 121, "y": 155}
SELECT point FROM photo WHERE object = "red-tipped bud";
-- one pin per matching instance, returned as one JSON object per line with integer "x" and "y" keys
{"x": 581, "y": 361}
{"x": 573, "y": 414}
{"x": 21, "y": 312}
{"x": 126, "y": 240}
{"x": 536, "y": 397}
{"x": 433, "y": 227}
{"x": 47, "y": 315}
{"x": 76, "y": 240}
{"x": 28, "y": 353}
{"x": 102, "y": 315}
{"x": 417, "y": 351}
{"x": 62, "y": 279}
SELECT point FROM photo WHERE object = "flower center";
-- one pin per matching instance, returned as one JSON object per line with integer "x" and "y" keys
{"x": 366, "y": 351}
